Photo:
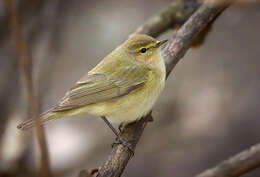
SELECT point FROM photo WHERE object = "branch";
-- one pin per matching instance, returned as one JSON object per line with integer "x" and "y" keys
{"x": 174, "y": 15}
{"x": 26, "y": 81}
{"x": 236, "y": 165}
{"x": 178, "y": 44}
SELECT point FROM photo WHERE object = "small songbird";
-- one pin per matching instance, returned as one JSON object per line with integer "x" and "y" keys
{"x": 121, "y": 89}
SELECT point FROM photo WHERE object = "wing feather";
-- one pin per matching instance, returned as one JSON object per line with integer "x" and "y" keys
{"x": 104, "y": 85}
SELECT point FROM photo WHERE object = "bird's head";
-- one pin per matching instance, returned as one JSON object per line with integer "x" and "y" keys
{"x": 143, "y": 48}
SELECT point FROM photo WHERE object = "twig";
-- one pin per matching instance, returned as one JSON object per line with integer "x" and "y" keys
{"x": 236, "y": 165}
{"x": 173, "y": 52}
{"x": 26, "y": 80}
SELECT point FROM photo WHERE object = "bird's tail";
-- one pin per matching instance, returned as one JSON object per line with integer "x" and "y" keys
{"x": 44, "y": 117}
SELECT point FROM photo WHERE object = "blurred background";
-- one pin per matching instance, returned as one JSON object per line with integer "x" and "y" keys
{"x": 208, "y": 111}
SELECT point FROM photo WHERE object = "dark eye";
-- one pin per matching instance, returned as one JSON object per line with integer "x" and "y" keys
{"x": 143, "y": 50}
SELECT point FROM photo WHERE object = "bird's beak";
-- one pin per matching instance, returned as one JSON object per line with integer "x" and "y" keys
{"x": 160, "y": 43}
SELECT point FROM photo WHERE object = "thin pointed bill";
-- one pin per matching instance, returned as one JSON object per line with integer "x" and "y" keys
{"x": 160, "y": 43}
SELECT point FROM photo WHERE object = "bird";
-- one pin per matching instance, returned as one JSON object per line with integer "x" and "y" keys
{"x": 121, "y": 89}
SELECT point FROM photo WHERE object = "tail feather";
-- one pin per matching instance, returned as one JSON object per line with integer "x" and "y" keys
{"x": 44, "y": 117}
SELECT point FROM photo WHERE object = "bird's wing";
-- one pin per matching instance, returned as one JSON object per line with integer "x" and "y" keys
{"x": 98, "y": 86}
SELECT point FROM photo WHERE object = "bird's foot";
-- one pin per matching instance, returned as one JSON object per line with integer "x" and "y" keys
{"x": 125, "y": 143}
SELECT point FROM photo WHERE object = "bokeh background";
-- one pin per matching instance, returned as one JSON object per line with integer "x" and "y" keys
{"x": 208, "y": 111}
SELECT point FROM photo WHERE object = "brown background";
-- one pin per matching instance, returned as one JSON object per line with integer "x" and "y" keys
{"x": 208, "y": 111}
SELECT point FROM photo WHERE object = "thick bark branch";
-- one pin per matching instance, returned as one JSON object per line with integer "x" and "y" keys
{"x": 173, "y": 52}
{"x": 236, "y": 165}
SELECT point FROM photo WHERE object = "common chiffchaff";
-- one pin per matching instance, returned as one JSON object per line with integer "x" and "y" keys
{"x": 122, "y": 88}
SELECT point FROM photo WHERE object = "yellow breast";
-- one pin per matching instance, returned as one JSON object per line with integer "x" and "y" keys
{"x": 137, "y": 103}
{"x": 134, "y": 105}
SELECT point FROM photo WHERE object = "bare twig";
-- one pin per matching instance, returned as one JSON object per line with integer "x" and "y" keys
{"x": 236, "y": 165}
{"x": 26, "y": 80}
{"x": 173, "y": 52}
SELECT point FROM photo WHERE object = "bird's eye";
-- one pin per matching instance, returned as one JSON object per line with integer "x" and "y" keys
{"x": 143, "y": 50}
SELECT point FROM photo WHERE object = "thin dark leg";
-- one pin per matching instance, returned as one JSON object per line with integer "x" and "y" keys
{"x": 110, "y": 126}
{"x": 121, "y": 140}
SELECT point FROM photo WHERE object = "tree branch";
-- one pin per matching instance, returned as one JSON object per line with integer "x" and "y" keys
{"x": 176, "y": 14}
{"x": 172, "y": 53}
{"x": 236, "y": 165}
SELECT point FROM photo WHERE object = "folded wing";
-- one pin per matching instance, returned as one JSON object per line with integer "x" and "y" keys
{"x": 98, "y": 86}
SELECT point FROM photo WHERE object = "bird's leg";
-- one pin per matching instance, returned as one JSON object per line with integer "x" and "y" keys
{"x": 118, "y": 137}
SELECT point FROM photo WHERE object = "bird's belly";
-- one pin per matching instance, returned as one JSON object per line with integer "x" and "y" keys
{"x": 133, "y": 106}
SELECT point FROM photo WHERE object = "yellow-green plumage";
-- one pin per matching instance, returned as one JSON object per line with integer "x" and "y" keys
{"x": 123, "y": 87}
